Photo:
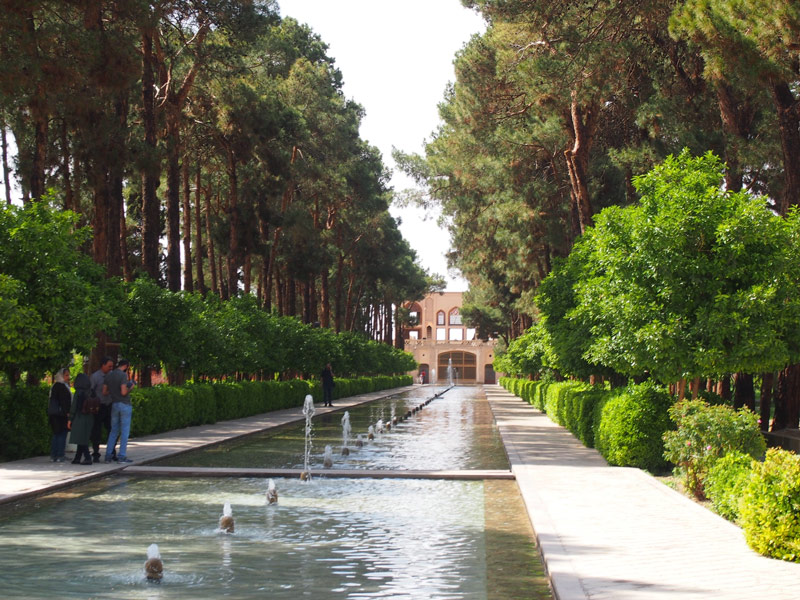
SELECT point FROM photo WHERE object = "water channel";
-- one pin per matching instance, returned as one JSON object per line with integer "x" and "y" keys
{"x": 326, "y": 538}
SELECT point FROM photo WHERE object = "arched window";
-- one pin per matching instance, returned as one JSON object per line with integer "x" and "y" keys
{"x": 455, "y": 317}
{"x": 440, "y": 317}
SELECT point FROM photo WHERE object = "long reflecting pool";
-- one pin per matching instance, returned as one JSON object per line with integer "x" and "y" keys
{"x": 327, "y": 538}
{"x": 455, "y": 431}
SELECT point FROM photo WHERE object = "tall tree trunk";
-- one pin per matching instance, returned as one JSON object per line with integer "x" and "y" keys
{"x": 787, "y": 402}
{"x": 339, "y": 292}
{"x": 737, "y": 122}
{"x": 248, "y": 267}
{"x": 198, "y": 245}
{"x": 234, "y": 250}
{"x": 188, "y": 282}
{"x": 325, "y": 312}
{"x": 37, "y": 181}
{"x": 6, "y": 170}
{"x": 789, "y": 131}
{"x": 173, "y": 199}
{"x": 767, "y": 380}
{"x": 116, "y": 203}
{"x": 66, "y": 175}
{"x": 291, "y": 299}
{"x": 212, "y": 262}
{"x": 387, "y": 323}
{"x": 583, "y": 125}
{"x": 151, "y": 207}
{"x": 744, "y": 393}
{"x": 127, "y": 272}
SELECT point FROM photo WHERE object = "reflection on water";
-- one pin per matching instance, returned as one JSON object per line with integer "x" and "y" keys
{"x": 325, "y": 539}
{"x": 328, "y": 538}
{"x": 456, "y": 431}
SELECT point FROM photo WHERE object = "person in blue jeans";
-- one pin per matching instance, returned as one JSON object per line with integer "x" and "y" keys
{"x": 118, "y": 386}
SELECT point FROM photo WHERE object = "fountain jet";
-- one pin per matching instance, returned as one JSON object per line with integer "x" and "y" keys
{"x": 327, "y": 458}
{"x": 226, "y": 520}
{"x": 346, "y": 429}
{"x": 153, "y": 568}
{"x": 272, "y": 493}
{"x": 308, "y": 411}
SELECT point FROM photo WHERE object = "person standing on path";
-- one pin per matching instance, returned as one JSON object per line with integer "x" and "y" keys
{"x": 58, "y": 414}
{"x": 327, "y": 385}
{"x": 118, "y": 386}
{"x": 81, "y": 422}
{"x": 102, "y": 418}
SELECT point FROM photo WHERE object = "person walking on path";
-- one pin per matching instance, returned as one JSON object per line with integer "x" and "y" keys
{"x": 118, "y": 386}
{"x": 327, "y": 385}
{"x": 81, "y": 422}
{"x": 58, "y": 414}
{"x": 102, "y": 418}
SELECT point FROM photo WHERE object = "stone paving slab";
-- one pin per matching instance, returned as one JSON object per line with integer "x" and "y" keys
{"x": 29, "y": 477}
{"x": 612, "y": 533}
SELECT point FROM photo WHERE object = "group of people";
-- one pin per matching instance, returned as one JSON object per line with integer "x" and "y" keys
{"x": 67, "y": 415}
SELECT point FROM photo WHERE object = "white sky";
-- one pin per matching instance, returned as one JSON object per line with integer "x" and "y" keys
{"x": 396, "y": 57}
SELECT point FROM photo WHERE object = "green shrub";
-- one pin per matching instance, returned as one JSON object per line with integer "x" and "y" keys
{"x": 770, "y": 508}
{"x": 24, "y": 428}
{"x": 726, "y": 482}
{"x": 631, "y": 423}
{"x": 705, "y": 434}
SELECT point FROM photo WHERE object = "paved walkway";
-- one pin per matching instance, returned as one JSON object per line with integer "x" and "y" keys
{"x": 23, "y": 478}
{"x": 617, "y": 533}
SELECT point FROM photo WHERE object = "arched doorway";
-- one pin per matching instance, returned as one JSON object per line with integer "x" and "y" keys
{"x": 464, "y": 365}
{"x": 488, "y": 374}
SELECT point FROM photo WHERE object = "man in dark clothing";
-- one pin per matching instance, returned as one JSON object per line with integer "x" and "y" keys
{"x": 118, "y": 386}
{"x": 327, "y": 385}
{"x": 102, "y": 418}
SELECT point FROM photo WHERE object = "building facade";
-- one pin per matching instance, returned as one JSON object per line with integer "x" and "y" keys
{"x": 437, "y": 337}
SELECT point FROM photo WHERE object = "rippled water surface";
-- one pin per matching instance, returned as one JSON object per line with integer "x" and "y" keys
{"x": 455, "y": 431}
{"x": 327, "y": 538}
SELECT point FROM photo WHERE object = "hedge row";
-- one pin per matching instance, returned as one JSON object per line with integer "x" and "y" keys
{"x": 763, "y": 498}
{"x": 24, "y": 429}
{"x": 624, "y": 425}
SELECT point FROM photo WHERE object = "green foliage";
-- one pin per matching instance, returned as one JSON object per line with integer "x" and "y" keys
{"x": 631, "y": 424}
{"x": 705, "y": 434}
{"x": 24, "y": 428}
{"x": 626, "y": 426}
{"x": 52, "y": 296}
{"x": 726, "y": 482}
{"x": 25, "y": 431}
{"x": 770, "y": 509}
{"x": 692, "y": 281}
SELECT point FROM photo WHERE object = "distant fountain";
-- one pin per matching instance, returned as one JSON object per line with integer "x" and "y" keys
{"x": 272, "y": 493}
{"x": 226, "y": 520}
{"x": 308, "y": 411}
{"x": 345, "y": 433}
{"x": 153, "y": 568}
{"x": 327, "y": 458}
{"x": 379, "y": 426}
{"x": 449, "y": 372}
{"x": 359, "y": 441}
{"x": 393, "y": 420}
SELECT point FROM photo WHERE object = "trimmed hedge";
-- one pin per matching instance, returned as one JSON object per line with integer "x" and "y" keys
{"x": 625, "y": 425}
{"x": 25, "y": 432}
{"x": 726, "y": 482}
{"x": 631, "y": 427}
{"x": 769, "y": 511}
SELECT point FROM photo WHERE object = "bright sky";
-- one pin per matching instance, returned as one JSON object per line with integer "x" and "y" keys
{"x": 396, "y": 57}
